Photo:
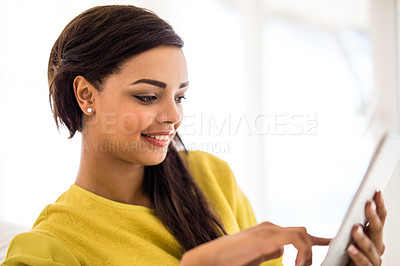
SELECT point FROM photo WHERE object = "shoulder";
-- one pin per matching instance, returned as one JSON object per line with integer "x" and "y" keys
{"x": 201, "y": 155}
{"x": 212, "y": 174}
{"x": 34, "y": 248}
{"x": 56, "y": 212}
{"x": 205, "y": 162}
{"x": 209, "y": 170}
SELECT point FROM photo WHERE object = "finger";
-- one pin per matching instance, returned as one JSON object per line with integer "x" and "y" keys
{"x": 280, "y": 236}
{"x": 380, "y": 206}
{"x": 357, "y": 257}
{"x": 365, "y": 245}
{"x": 319, "y": 241}
{"x": 302, "y": 242}
{"x": 375, "y": 226}
{"x": 277, "y": 254}
{"x": 270, "y": 240}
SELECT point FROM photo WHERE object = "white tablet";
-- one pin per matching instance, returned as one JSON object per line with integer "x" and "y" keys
{"x": 380, "y": 170}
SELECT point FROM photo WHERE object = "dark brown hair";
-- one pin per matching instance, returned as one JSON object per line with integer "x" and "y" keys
{"x": 95, "y": 44}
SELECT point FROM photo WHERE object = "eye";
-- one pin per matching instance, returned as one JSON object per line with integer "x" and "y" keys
{"x": 179, "y": 99}
{"x": 146, "y": 99}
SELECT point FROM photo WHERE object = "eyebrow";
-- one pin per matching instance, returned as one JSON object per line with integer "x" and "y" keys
{"x": 159, "y": 84}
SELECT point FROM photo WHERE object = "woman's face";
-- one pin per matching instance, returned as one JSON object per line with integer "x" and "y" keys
{"x": 139, "y": 109}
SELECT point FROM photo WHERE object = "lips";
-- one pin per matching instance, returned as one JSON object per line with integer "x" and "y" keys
{"x": 156, "y": 141}
{"x": 159, "y": 139}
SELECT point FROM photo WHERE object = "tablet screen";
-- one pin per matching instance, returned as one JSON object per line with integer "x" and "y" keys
{"x": 380, "y": 170}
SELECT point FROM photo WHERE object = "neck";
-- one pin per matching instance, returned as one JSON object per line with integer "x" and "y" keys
{"x": 110, "y": 177}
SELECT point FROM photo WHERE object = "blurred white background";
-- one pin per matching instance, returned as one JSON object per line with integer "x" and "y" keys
{"x": 292, "y": 94}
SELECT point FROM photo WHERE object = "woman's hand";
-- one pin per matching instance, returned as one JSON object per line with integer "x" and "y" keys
{"x": 369, "y": 242}
{"x": 253, "y": 246}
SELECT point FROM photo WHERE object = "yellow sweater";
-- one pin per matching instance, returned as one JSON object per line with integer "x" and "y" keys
{"x": 82, "y": 228}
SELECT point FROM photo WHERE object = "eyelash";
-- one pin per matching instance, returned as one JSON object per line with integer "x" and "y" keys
{"x": 180, "y": 98}
{"x": 147, "y": 99}
{"x": 151, "y": 99}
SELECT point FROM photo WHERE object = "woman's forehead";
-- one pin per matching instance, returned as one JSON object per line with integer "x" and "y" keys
{"x": 158, "y": 63}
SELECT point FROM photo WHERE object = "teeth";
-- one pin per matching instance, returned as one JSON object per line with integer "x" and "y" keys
{"x": 160, "y": 137}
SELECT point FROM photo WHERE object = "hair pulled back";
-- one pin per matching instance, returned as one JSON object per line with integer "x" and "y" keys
{"x": 94, "y": 45}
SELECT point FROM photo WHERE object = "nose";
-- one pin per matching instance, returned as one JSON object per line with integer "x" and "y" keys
{"x": 170, "y": 112}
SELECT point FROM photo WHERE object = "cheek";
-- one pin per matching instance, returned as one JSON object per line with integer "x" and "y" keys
{"x": 176, "y": 126}
{"x": 130, "y": 123}
{"x": 180, "y": 110}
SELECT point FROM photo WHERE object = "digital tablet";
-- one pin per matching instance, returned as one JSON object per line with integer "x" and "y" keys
{"x": 380, "y": 170}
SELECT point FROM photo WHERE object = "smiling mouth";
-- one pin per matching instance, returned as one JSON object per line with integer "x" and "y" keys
{"x": 158, "y": 137}
{"x": 157, "y": 140}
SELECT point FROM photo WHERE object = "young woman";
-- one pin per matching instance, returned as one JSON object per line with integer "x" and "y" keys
{"x": 117, "y": 74}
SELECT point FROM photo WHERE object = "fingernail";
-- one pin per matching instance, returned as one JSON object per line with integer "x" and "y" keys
{"x": 373, "y": 207}
{"x": 378, "y": 194}
{"x": 359, "y": 231}
{"x": 352, "y": 249}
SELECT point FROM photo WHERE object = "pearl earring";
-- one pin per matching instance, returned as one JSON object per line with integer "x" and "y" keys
{"x": 89, "y": 110}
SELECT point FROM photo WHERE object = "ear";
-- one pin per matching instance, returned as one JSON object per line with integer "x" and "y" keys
{"x": 84, "y": 94}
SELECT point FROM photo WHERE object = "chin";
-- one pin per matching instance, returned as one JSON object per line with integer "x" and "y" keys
{"x": 154, "y": 158}
{"x": 153, "y": 162}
